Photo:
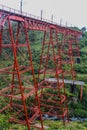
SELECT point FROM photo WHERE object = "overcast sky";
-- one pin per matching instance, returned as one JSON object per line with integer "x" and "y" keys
{"x": 72, "y": 11}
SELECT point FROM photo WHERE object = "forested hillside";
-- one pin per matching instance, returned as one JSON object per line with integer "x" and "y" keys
{"x": 77, "y": 107}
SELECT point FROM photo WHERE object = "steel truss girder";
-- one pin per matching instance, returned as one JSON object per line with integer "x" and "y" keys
{"x": 35, "y": 24}
{"x": 16, "y": 91}
{"x": 52, "y": 96}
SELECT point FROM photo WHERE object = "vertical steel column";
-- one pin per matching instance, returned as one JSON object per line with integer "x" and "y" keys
{"x": 48, "y": 94}
{"x": 18, "y": 73}
{"x": 35, "y": 82}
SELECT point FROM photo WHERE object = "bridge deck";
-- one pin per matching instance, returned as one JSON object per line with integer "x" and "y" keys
{"x": 66, "y": 81}
{"x": 35, "y": 22}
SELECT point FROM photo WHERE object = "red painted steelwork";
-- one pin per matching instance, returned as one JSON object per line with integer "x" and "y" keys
{"x": 52, "y": 96}
{"x": 34, "y": 22}
{"x": 17, "y": 64}
{"x": 16, "y": 70}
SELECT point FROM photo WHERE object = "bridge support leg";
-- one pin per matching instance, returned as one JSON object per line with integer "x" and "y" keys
{"x": 81, "y": 92}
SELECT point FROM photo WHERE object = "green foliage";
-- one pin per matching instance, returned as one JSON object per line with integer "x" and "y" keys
{"x": 35, "y": 36}
{"x": 76, "y": 28}
{"x": 79, "y": 108}
{"x": 4, "y": 124}
{"x": 32, "y": 36}
{"x": 82, "y": 77}
{"x": 83, "y": 41}
{"x": 81, "y": 68}
{"x": 57, "y": 125}
{"x": 17, "y": 127}
{"x": 76, "y": 109}
{"x": 83, "y": 29}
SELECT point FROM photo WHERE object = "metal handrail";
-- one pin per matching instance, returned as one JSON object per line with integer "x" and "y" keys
{"x": 15, "y": 11}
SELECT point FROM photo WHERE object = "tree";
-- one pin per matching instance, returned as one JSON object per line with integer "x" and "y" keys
{"x": 83, "y": 29}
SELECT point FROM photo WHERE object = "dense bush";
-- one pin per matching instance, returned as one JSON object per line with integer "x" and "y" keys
{"x": 4, "y": 124}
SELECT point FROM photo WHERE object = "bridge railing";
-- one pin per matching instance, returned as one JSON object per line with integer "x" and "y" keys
{"x": 15, "y": 11}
